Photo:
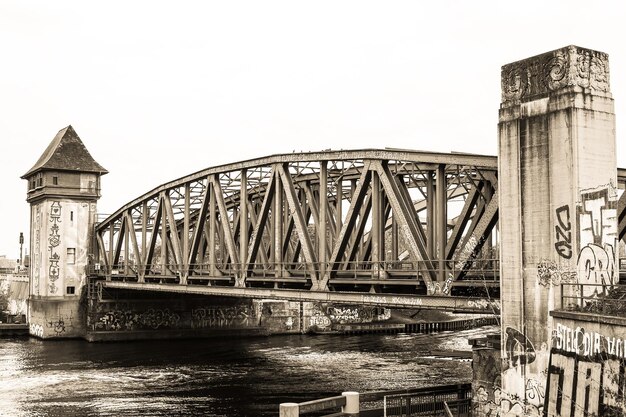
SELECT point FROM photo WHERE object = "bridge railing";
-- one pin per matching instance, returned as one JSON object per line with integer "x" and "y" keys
{"x": 486, "y": 269}
{"x": 594, "y": 298}
{"x": 427, "y": 401}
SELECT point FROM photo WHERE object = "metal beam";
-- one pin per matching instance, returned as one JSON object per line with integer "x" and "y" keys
{"x": 229, "y": 239}
{"x": 406, "y": 221}
{"x": 446, "y": 303}
{"x": 199, "y": 227}
{"x": 344, "y": 234}
{"x": 479, "y": 235}
{"x": 257, "y": 233}
{"x": 462, "y": 220}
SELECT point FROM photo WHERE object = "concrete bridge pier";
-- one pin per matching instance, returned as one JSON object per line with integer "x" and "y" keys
{"x": 558, "y": 223}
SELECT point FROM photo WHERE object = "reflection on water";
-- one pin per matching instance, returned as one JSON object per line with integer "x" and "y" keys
{"x": 237, "y": 377}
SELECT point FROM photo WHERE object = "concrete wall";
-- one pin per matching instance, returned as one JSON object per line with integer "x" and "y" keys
{"x": 145, "y": 315}
{"x": 486, "y": 383}
{"x": 56, "y": 318}
{"x": 587, "y": 370}
{"x": 58, "y": 227}
{"x": 557, "y": 178}
{"x": 60, "y": 241}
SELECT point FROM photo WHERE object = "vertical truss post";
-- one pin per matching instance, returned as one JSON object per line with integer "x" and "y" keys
{"x": 278, "y": 225}
{"x": 133, "y": 238}
{"x": 487, "y": 247}
{"x": 144, "y": 233}
{"x": 163, "y": 236}
{"x": 430, "y": 215}
{"x": 321, "y": 226}
{"x": 339, "y": 206}
{"x": 212, "y": 229}
{"x": 442, "y": 220}
{"x": 376, "y": 238}
{"x": 394, "y": 238}
{"x": 185, "y": 267}
{"x": 111, "y": 248}
{"x": 243, "y": 224}
{"x": 127, "y": 227}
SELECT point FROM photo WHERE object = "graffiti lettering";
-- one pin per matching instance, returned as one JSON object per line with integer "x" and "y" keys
{"x": 57, "y": 326}
{"x": 374, "y": 299}
{"x": 597, "y": 225}
{"x": 549, "y": 273}
{"x": 467, "y": 253}
{"x": 433, "y": 288}
{"x": 214, "y": 317}
{"x": 319, "y": 319}
{"x": 574, "y": 383}
{"x": 128, "y": 320}
{"x": 483, "y": 304}
{"x": 519, "y": 350}
{"x": 36, "y": 330}
{"x": 448, "y": 285}
{"x": 563, "y": 230}
{"x": 596, "y": 265}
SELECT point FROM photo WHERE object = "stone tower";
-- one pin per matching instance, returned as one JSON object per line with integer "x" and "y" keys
{"x": 63, "y": 188}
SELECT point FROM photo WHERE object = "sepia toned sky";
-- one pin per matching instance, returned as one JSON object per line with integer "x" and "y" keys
{"x": 157, "y": 90}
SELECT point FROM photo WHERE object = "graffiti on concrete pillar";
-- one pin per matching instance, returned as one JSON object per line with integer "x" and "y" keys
{"x": 597, "y": 225}
{"x": 519, "y": 350}
{"x": 596, "y": 265}
{"x": 563, "y": 231}
{"x": 550, "y": 273}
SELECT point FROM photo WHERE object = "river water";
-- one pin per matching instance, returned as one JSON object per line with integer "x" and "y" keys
{"x": 216, "y": 377}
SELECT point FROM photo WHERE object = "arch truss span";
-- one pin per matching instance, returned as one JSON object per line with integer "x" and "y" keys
{"x": 373, "y": 221}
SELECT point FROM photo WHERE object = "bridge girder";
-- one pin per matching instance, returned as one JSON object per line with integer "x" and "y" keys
{"x": 366, "y": 221}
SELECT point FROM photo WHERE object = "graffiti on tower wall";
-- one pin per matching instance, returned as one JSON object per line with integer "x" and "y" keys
{"x": 54, "y": 240}
{"x": 36, "y": 255}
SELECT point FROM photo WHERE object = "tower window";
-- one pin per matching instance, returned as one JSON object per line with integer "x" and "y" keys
{"x": 71, "y": 216}
{"x": 71, "y": 255}
{"x": 70, "y": 290}
{"x": 55, "y": 180}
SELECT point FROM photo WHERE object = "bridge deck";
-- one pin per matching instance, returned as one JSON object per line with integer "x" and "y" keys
{"x": 447, "y": 303}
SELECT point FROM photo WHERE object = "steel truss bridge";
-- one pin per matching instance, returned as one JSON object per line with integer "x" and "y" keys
{"x": 382, "y": 227}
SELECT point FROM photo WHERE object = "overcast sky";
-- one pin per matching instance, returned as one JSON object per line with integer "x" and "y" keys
{"x": 157, "y": 90}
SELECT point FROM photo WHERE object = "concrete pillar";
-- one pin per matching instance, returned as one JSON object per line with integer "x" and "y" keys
{"x": 352, "y": 403}
{"x": 557, "y": 176}
{"x": 289, "y": 410}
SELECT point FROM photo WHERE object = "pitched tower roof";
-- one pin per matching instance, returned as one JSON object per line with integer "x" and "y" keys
{"x": 66, "y": 152}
